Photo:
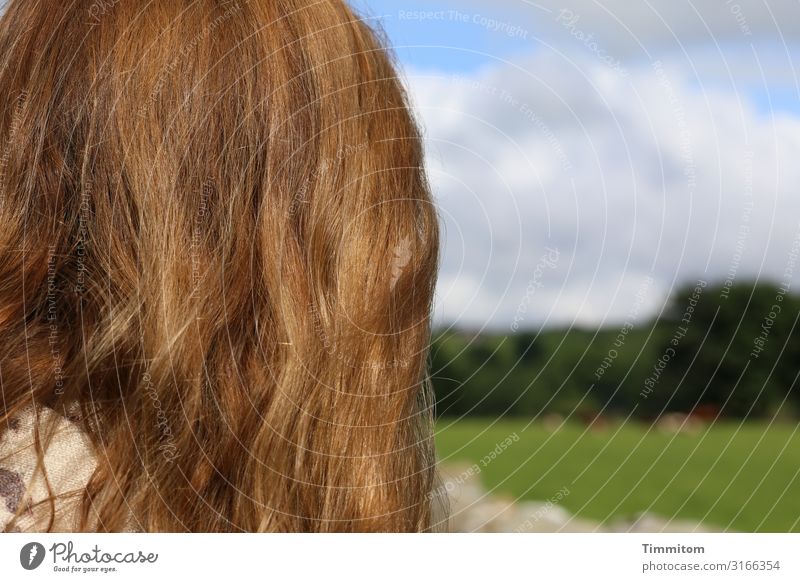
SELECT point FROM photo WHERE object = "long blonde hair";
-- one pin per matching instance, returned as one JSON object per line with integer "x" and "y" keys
{"x": 217, "y": 240}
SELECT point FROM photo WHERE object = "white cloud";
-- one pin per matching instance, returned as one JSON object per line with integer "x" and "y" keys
{"x": 647, "y": 173}
{"x": 627, "y": 28}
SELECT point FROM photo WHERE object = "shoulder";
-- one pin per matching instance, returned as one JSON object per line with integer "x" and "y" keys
{"x": 68, "y": 465}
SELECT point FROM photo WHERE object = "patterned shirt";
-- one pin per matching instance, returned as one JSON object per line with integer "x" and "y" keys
{"x": 69, "y": 461}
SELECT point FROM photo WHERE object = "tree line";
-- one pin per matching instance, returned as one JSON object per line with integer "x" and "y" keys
{"x": 716, "y": 350}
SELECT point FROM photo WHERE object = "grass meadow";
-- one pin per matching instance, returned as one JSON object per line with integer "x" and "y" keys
{"x": 735, "y": 476}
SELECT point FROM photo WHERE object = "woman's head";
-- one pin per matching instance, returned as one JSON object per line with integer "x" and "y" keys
{"x": 217, "y": 239}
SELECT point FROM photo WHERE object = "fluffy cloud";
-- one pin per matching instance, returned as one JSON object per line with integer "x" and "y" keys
{"x": 635, "y": 28}
{"x": 664, "y": 168}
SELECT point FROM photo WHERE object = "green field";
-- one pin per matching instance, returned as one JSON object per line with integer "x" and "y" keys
{"x": 741, "y": 477}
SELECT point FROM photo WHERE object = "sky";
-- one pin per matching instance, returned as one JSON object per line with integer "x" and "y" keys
{"x": 589, "y": 157}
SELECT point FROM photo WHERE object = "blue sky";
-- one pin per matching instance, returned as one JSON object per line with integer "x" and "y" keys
{"x": 464, "y": 45}
{"x": 445, "y": 44}
{"x": 639, "y": 140}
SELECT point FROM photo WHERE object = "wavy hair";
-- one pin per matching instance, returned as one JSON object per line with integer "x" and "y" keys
{"x": 218, "y": 244}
